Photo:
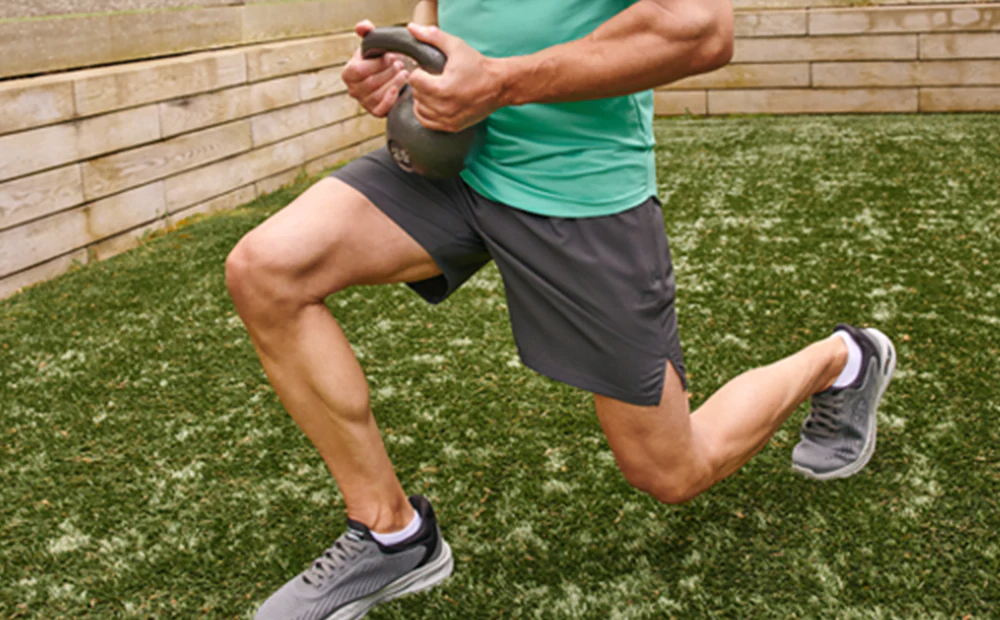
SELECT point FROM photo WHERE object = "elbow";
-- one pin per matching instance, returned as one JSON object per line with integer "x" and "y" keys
{"x": 718, "y": 38}
{"x": 707, "y": 26}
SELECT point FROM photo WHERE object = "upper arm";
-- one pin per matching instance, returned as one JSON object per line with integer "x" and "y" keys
{"x": 425, "y": 13}
{"x": 707, "y": 22}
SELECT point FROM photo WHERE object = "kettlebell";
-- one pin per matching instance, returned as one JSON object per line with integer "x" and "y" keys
{"x": 431, "y": 153}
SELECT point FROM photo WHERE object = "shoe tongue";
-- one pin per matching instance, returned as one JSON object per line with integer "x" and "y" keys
{"x": 357, "y": 531}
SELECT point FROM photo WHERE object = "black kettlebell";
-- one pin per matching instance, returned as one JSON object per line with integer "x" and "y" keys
{"x": 434, "y": 154}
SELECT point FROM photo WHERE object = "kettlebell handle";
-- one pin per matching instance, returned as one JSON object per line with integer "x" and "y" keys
{"x": 399, "y": 39}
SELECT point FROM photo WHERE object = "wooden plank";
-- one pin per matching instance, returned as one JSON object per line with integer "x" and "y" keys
{"x": 34, "y": 197}
{"x": 675, "y": 102}
{"x": 48, "y": 147}
{"x": 803, "y": 101}
{"x": 802, "y": 49}
{"x": 280, "y": 124}
{"x": 123, "y": 242}
{"x": 39, "y": 46}
{"x": 236, "y": 198}
{"x": 894, "y": 74}
{"x": 13, "y": 284}
{"x": 321, "y": 83}
{"x": 216, "y": 179}
{"x": 34, "y": 102}
{"x": 266, "y": 21}
{"x": 333, "y": 160}
{"x": 278, "y": 59}
{"x": 956, "y": 46}
{"x": 273, "y": 94}
{"x": 34, "y": 243}
{"x": 277, "y": 181}
{"x": 960, "y": 99}
{"x": 125, "y": 211}
{"x": 768, "y": 75}
{"x": 770, "y": 23}
{"x": 192, "y": 113}
{"x": 31, "y": 151}
{"x": 336, "y": 137}
{"x": 333, "y": 110}
{"x": 120, "y": 130}
{"x": 150, "y": 34}
{"x": 123, "y": 86}
{"x": 85, "y": 40}
{"x": 39, "y": 241}
{"x": 881, "y": 20}
{"x": 55, "y": 8}
{"x": 135, "y": 167}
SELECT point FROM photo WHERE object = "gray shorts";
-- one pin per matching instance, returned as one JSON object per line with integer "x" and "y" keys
{"x": 591, "y": 300}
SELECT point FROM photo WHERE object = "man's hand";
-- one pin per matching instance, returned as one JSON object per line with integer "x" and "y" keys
{"x": 469, "y": 90}
{"x": 375, "y": 83}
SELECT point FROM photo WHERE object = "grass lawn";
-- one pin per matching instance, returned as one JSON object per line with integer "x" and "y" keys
{"x": 148, "y": 469}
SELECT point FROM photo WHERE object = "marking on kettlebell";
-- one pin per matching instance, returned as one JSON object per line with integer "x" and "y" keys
{"x": 401, "y": 155}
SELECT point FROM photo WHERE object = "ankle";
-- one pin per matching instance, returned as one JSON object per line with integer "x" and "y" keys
{"x": 836, "y": 355}
{"x": 385, "y": 517}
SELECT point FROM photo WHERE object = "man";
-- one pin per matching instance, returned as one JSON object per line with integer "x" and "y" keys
{"x": 562, "y": 195}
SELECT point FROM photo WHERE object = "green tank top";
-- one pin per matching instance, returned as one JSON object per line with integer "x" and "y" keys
{"x": 581, "y": 159}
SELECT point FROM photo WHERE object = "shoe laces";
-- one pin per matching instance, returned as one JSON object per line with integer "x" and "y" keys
{"x": 823, "y": 419}
{"x": 333, "y": 559}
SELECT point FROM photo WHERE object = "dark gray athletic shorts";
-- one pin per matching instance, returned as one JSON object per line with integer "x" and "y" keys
{"x": 591, "y": 300}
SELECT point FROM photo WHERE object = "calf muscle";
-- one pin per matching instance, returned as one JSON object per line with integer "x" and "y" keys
{"x": 278, "y": 276}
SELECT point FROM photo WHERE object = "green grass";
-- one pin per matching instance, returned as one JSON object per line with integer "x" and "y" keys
{"x": 149, "y": 471}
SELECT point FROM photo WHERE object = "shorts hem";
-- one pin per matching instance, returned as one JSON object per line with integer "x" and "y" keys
{"x": 430, "y": 290}
{"x": 596, "y": 386}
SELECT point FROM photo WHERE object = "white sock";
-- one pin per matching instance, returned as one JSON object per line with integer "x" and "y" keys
{"x": 853, "y": 366}
{"x": 392, "y": 538}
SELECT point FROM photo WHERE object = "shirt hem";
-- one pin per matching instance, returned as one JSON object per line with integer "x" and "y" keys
{"x": 568, "y": 210}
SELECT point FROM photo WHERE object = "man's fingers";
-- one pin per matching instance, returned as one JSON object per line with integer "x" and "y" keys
{"x": 429, "y": 119}
{"x": 376, "y": 81}
{"x": 423, "y": 82}
{"x": 360, "y": 69}
{"x": 381, "y": 101}
{"x": 435, "y": 36}
{"x": 363, "y": 27}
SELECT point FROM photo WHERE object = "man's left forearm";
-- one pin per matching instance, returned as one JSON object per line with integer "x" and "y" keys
{"x": 654, "y": 42}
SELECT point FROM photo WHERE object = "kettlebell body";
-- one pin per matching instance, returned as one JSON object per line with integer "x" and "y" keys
{"x": 431, "y": 153}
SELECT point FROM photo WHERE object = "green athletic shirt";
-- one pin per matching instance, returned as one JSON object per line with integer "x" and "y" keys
{"x": 581, "y": 159}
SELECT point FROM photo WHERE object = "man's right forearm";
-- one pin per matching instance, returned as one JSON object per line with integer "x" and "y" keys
{"x": 426, "y": 13}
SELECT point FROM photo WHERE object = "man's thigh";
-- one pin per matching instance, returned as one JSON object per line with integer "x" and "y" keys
{"x": 436, "y": 213}
{"x": 591, "y": 300}
{"x": 331, "y": 237}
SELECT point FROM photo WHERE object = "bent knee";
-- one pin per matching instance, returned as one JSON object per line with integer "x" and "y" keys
{"x": 238, "y": 270}
{"x": 261, "y": 279}
{"x": 676, "y": 485}
{"x": 675, "y": 493}
{"x": 246, "y": 274}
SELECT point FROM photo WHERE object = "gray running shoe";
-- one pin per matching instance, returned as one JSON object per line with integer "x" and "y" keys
{"x": 838, "y": 436}
{"x": 357, "y": 573}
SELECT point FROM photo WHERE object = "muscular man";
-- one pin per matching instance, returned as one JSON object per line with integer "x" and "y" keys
{"x": 562, "y": 196}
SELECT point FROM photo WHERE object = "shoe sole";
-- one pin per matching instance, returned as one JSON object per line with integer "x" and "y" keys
{"x": 888, "y": 351}
{"x": 423, "y": 578}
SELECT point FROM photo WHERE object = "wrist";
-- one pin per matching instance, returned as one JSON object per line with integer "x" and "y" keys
{"x": 505, "y": 71}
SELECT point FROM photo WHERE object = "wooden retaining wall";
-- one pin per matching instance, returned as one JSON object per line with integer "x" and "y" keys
{"x": 40, "y": 36}
{"x": 91, "y": 160}
{"x": 201, "y": 105}
{"x": 807, "y": 60}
